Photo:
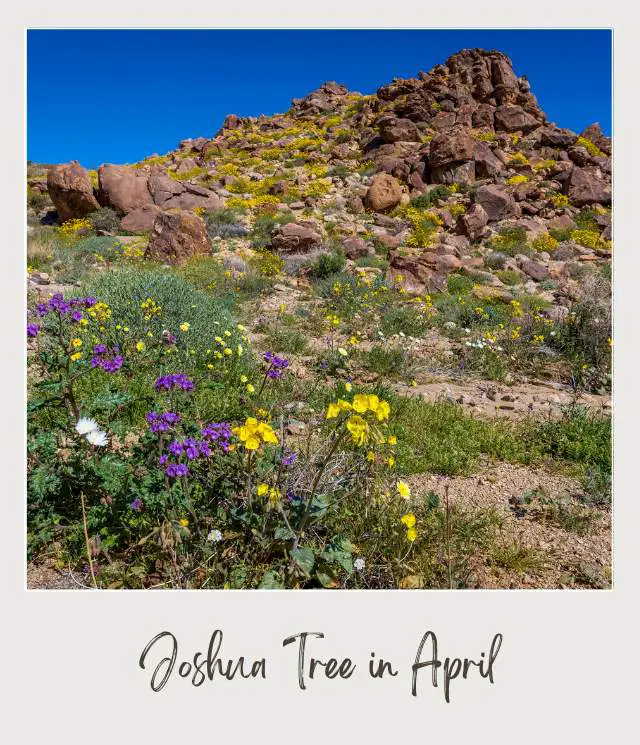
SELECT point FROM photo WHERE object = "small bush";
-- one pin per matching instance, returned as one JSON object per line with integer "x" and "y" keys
{"x": 105, "y": 219}
{"x": 327, "y": 264}
{"x": 224, "y": 223}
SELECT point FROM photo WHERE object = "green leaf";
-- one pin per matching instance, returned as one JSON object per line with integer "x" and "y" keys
{"x": 282, "y": 533}
{"x": 270, "y": 581}
{"x": 305, "y": 559}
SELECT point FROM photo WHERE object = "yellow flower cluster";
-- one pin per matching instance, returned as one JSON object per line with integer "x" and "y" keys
{"x": 252, "y": 434}
{"x": 100, "y": 312}
{"x": 409, "y": 521}
{"x": 359, "y": 428}
{"x": 150, "y": 309}
{"x": 73, "y": 228}
{"x": 273, "y": 493}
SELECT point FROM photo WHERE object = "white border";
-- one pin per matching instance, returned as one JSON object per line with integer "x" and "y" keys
{"x": 566, "y": 666}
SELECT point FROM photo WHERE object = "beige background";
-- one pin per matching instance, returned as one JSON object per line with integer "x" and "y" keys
{"x": 565, "y": 673}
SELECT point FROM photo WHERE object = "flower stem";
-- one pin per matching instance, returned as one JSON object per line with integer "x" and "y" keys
{"x": 86, "y": 538}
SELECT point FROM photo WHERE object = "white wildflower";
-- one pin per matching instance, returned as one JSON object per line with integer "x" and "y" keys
{"x": 359, "y": 564}
{"x": 215, "y": 536}
{"x": 86, "y": 425}
{"x": 97, "y": 437}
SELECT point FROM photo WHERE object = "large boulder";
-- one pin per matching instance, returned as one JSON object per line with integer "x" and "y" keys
{"x": 514, "y": 119}
{"x": 295, "y": 238}
{"x": 140, "y": 220}
{"x": 451, "y": 147}
{"x": 162, "y": 187}
{"x": 122, "y": 188}
{"x": 393, "y": 129}
{"x": 585, "y": 186}
{"x": 495, "y": 201}
{"x": 177, "y": 236}
{"x": 417, "y": 274}
{"x": 474, "y": 222}
{"x": 454, "y": 173}
{"x": 384, "y": 193}
{"x": 487, "y": 165}
{"x": 69, "y": 186}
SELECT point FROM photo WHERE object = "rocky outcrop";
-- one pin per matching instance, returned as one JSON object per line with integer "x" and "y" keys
{"x": 140, "y": 220}
{"x": 69, "y": 186}
{"x": 122, "y": 188}
{"x": 177, "y": 236}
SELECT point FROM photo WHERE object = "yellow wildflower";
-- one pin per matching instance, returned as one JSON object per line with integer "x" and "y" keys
{"x": 403, "y": 489}
{"x": 409, "y": 520}
{"x": 185, "y": 327}
{"x": 76, "y": 343}
{"x": 140, "y": 346}
{"x": 262, "y": 489}
{"x": 359, "y": 429}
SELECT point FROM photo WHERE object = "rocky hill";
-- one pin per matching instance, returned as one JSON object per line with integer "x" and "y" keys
{"x": 439, "y": 246}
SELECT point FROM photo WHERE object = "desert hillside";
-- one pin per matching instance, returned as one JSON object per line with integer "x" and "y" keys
{"x": 364, "y": 343}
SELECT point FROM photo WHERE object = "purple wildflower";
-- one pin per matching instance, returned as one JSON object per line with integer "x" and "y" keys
{"x": 42, "y": 309}
{"x": 163, "y": 459}
{"x": 176, "y": 448}
{"x": 76, "y": 316}
{"x": 136, "y": 505}
{"x": 288, "y": 459}
{"x": 169, "y": 382}
{"x": 277, "y": 365}
{"x": 191, "y": 448}
{"x": 32, "y": 329}
{"x": 174, "y": 470}
{"x": 109, "y": 361}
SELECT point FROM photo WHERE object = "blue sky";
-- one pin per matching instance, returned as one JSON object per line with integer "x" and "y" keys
{"x": 117, "y": 96}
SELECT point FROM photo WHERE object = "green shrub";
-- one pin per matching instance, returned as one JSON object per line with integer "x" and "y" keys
{"x": 105, "y": 219}
{"x": 124, "y": 289}
{"x": 327, "y": 264}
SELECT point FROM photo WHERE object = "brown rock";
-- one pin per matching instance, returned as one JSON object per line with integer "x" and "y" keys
{"x": 162, "y": 187}
{"x": 514, "y": 119}
{"x": 487, "y": 165}
{"x": 597, "y": 136}
{"x": 535, "y": 270}
{"x": 384, "y": 193}
{"x": 415, "y": 273}
{"x": 461, "y": 173}
{"x": 473, "y": 223}
{"x": 295, "y": 238}
{"x": 177, "y": 236}
{"x": 123, "y": 188}
{"x": 584, "y": 187}
{"x": 496, "y": 202}
{"x": 451, "y": 147}
{"x": 393, "y": 129}
{"x": 70, "y": 189}
{"x": 140, "y": 220}
{"x": 355, "y": 247}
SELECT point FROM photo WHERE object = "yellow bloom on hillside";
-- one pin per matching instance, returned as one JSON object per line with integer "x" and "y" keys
{"x": 250, "y": 388}
{"x": 185, "y": 326}
{"x": 409, "y": 520}
{"x": 412, "y": 534}
{"x": 359, "y": 429}
{"x": 140, "y": 346}
{"x": 76, "y": 343}
{"x": 76, "y": 356}
{"x": 403, "y": 489}
{"x": 253, "y": 433}
{"x": 184, "y": 522}
{"x": 262, "y": 489}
